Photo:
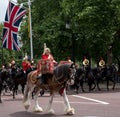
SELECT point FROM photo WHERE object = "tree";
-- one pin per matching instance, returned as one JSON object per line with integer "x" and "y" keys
{"x": 93, "y": 23}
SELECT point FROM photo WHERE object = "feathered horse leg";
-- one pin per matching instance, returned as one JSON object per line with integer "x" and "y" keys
{"x": 68, "y": 109}
{"x": 37, "y": 108}
{"x": 49, "y": 109}
{"x": 27, "y": 96}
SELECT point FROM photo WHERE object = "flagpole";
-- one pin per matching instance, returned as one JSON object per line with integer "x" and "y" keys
{"x": 30, "y": 23}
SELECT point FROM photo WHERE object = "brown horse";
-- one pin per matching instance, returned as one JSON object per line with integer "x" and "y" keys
{"x": 55, "y": 82}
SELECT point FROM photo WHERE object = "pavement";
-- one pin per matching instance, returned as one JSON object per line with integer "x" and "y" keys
{"x": 94, "y": 104}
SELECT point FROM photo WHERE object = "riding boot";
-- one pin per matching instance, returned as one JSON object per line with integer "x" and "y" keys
{"x": 42, "y": 79}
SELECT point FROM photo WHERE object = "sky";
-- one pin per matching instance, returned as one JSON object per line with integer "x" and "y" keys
{"x": 3, "y": 8}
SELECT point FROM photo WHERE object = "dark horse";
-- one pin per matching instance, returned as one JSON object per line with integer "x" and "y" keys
{"x": 56, "y": 82}
{"x": 4, "y": 81}
{"x": 19, "y": 78}
{"x": 79, "y": 80}
{"x": 84, "y": 76}
{"x": 94, "y": 76}
{"x": 106, "y": 74}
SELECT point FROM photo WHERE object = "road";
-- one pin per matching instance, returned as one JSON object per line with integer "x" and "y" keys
{"x": 94, "y": 104}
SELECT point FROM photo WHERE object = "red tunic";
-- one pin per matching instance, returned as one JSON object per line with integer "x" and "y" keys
{"x": 45, "y": 56}
{"x": 25, "y": 65}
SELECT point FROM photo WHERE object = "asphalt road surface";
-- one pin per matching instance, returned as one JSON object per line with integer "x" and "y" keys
{"x": 94, "y": 104}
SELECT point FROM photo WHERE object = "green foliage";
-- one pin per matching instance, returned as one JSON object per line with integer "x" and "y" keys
{"x": 94, "y": 24}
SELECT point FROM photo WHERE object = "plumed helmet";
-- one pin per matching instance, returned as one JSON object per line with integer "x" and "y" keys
{"x": 32, "y": 61}
{"x": 3, "y": 66}
{"x": 46, "y": 49}
{"x": 26, "y": 57}
{"x": 13, "y": 62}
{"x": 9, "y": 64}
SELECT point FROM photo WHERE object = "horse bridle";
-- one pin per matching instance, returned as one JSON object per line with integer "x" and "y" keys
{"x": 71, "y": 71}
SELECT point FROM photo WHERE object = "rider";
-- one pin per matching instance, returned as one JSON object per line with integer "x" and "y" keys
{"x": 86, "y": 67}
{"x": 13, "y": 67}
{"x": 3, "y": 68}
{"x": 13, "y": 64}
{"x": 45, "y": 56}
{"x": 24, "y": 64}
{"x": 33, "y": 66}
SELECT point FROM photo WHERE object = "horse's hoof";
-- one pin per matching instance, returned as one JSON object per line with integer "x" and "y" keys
{"x": 38, "y": 109}
{"x": 27, "y": 105}
{"x": 51, "y": 111}
{"x": 70, "y": 111}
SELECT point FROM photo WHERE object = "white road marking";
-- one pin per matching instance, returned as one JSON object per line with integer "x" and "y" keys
{"x": 94, "y": 100}
{"x": 90, "y": 116}
{"x": 77, "y": 102}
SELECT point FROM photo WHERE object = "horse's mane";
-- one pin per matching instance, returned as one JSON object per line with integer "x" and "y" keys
{"x": 62, "y": 71}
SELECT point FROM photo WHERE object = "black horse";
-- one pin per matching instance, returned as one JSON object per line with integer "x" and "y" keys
{"x": 4, "y": 81}
{"x": 19, "y": 77}
{"x": 90, "y": 78}
{"x": 94, "y": 76}
{"x": 106, "y": 74}
{"x": 84, "y": 76}
{"x": 79, "y": 80}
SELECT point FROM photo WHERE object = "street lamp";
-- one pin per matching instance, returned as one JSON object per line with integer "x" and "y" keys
{"x": 72, "y": 39}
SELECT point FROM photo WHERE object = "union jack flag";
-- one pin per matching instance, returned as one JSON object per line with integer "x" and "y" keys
{"x": 13, "y": 17}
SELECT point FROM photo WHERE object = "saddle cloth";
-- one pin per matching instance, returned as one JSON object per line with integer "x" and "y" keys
{"x": 47, "y": 66}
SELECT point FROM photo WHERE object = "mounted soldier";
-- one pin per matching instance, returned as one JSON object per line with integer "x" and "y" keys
{"x": 45, "y": 65}
{"x": 13, "y": 64}
{"x": 24, "y": 64}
